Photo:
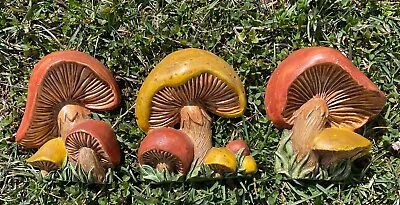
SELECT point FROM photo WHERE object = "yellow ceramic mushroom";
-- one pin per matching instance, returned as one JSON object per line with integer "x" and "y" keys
{"x": 220, "y": 160}
{"x": 50, "y": 156}
{"x": 335, "y": 144}
{"x": 182, "y": 88}
{"x": 249, "y": 165}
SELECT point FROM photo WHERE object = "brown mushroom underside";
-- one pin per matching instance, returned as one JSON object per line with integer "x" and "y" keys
{"x": 78, "y": 140}
{"x": 187, "y": 105}
{"x": 44, "y": 165}
{"x": 324, "y": 96}
{"x": 161, "y": 160}
{"x": 64, "y": 83}
{"x": 349, "y": 103}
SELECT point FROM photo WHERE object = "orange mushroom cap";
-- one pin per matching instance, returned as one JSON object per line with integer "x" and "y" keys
{"x": 285, "y": 92}
{"x": 60, "y": 78}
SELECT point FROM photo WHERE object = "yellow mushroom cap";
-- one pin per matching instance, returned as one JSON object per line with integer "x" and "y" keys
{"x": 340, "y": 139}
{"x": 50, "y": 156}
{"x": 220, "y": 160}
{"x": 249, "y": 165}
{"x": 200, "y": 68}
{"x": 335, "y": 144}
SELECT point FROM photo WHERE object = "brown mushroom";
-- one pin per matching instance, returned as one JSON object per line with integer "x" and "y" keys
{"x": 63, "y": 87}
{"x": 182, "y": 88}
{"x": 92, "y": 145}
{"x": 166, "y": 148}
{"x": 318, "y": 87}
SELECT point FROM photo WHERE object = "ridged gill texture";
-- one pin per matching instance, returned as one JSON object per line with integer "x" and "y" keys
{"x": 64, "y": 83}
{"x": 154, "y": 157}
{"x": 349, "y": 104}
{"x": 204, "y": 90}
{"x": 77, "y": 140}
{"x": 44, "y": 165}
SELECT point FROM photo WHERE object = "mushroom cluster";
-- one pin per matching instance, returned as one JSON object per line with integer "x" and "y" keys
{"x": 322, "y": 97}
{"x": 228, "y": 159}
{"x": 63, "y": 88}
{"x": 178, "y": 93}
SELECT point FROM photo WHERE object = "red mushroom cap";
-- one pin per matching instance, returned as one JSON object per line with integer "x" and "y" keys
{"x": 97, "y": 135}
{"x": 168, "y": 140}
{"x": 45, "y": 83}
{"x": 236, "y": 145}
{"x": 276, "y": 94}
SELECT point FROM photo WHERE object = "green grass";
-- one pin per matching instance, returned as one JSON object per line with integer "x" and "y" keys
{"x": 253, "y": 36}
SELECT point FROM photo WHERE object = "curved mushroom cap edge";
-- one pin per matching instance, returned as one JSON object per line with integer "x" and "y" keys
{"x": 37, "y": 77}
{"x": 176, "y": 69}
{"x": 294, "y": 65}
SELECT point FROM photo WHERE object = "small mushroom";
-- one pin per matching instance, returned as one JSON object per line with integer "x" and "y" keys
{"x": 318, "y": 87}
{"x": 220, "y": 160}
{"x": 249, "y": 165}
{"x": 236, "y": 145}
{"x": 167, "y": 148}
{"x": 335, "y": 144}
{"x": 50, "y": 156}
{"x": 182, "y": 88}
{"x": 63, "y": 87}
{"x": 92, "y": 145}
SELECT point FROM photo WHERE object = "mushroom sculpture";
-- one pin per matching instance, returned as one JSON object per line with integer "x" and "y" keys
{"x": 182, "y": 88}
{"x": 64, "y": 86}
{"x": 167, "y": 148}
{"x": 50, "y": 156}
{"x": 314, "y": 89}
{"x": 92, "y": 145}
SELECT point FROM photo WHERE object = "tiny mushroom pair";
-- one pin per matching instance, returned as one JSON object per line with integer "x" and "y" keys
{"x": 179, "y": 91}
{"x": 63, "y": 88}
{"x": 322, "y": 97}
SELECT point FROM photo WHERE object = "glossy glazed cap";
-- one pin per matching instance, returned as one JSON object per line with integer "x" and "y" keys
{"x": 50, "y": 156}
{"x": 98, "y": 136}
{"x": 221, "y": 160}
{"x": 60, "y": 78}
{"x": 167, "y": 146}
{"x": 321, "y": 72}
{"x": 188, "y": 77}
{"x": 335, "y": 144}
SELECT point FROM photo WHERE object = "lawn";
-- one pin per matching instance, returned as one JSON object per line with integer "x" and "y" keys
{"x": 130, "y": 38}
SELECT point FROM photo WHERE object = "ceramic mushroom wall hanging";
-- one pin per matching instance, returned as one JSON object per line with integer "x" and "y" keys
{"x": 322, "y": 98}
{"x": 64, "y": 86}
{"x": 181, "y": 91}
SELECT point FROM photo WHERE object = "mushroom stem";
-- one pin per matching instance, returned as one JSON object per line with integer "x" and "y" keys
{"x": 162, "y": 166}
{"x": 87, "y": 160}
{"x": 309, "y": 120}
{"x": 196, "y": 123}
{"x": 69, "y": 116}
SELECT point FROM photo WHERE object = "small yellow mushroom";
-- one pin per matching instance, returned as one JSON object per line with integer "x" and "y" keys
{"x": 220, "y": 160}
{"x": 335, "y": 144}
{"x": 50, "y": 156}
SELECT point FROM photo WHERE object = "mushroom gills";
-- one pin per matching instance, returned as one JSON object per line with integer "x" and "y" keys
{"x": 161, "y": 160}
{"x": 350, "y": 104}
{"x": 77, "y": 140}
{"x": 205, "y": 91}
{"x": 44, "y": 165}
